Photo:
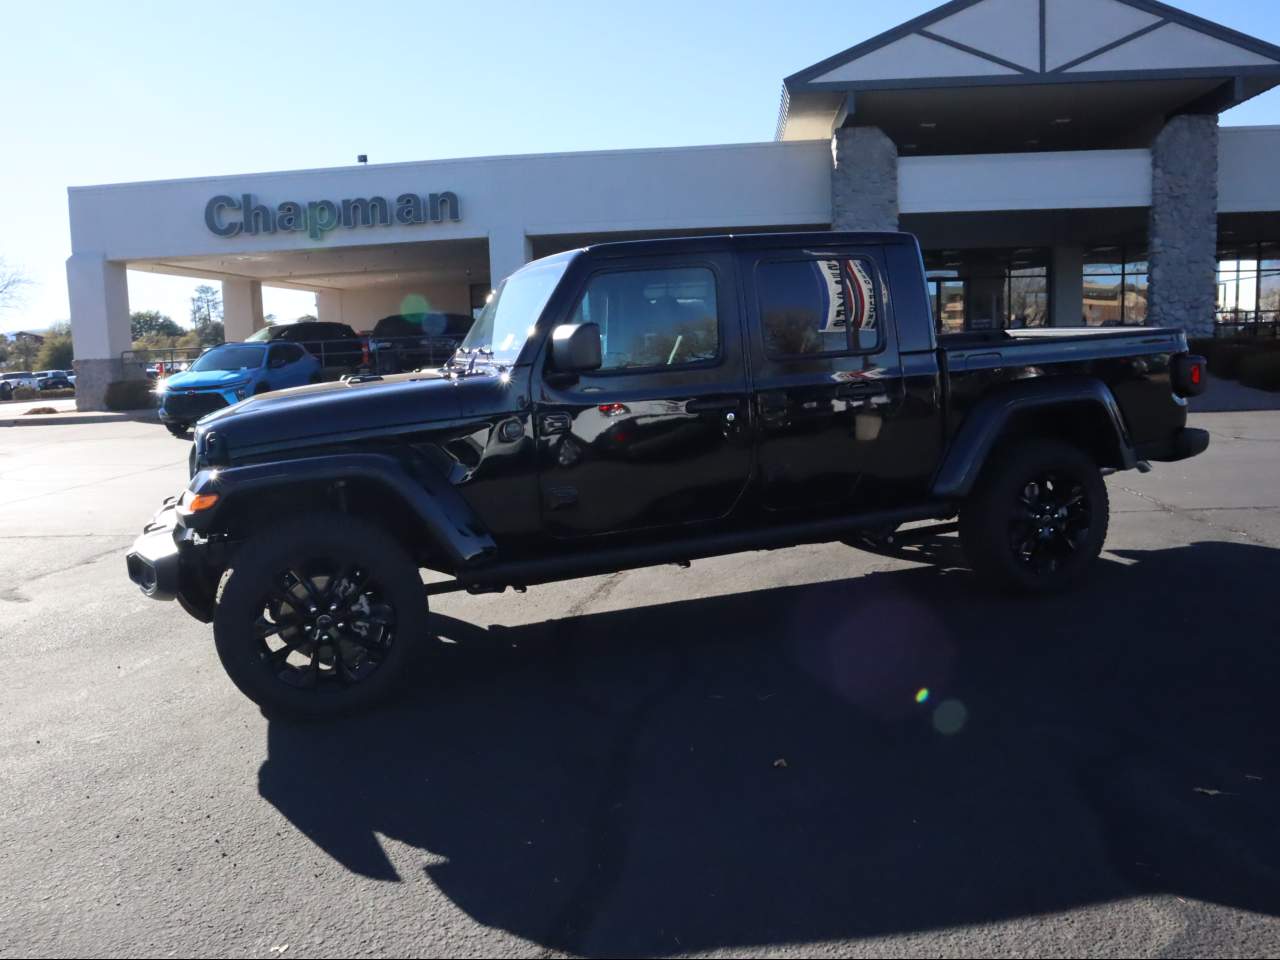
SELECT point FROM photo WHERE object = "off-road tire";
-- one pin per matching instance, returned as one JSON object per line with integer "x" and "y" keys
{"x": 306, "y": 543}
{"x": 1000, "y": 519}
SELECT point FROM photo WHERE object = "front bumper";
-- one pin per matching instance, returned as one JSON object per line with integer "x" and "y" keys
{"x": 153, "y": 561}
{"x": 163, "y": 564}
{"x": 180, "y": 406}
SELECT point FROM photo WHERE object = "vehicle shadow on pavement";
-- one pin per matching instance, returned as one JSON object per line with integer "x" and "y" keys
{"x": 767, "y": 768}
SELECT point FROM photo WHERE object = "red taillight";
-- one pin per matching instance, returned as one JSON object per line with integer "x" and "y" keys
{"x": 1188, "y": 377}
{"x": 613, "y": 409}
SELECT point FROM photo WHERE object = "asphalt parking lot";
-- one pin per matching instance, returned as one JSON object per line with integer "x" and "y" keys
{"x": 728, "y": 759}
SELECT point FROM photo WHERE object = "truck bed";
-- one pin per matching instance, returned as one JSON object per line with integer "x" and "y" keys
{"x": 1056, "y": 344}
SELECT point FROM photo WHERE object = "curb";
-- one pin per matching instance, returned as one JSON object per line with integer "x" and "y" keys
{"x": 78, "y": 419}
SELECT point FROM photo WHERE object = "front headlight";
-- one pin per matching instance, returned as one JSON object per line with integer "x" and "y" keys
{"x": 161, "y": 386}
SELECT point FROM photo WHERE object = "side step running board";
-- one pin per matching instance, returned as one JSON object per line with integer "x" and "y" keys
{"x": 499, "y": 576}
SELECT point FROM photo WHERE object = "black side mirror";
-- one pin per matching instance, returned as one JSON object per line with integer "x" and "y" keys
{"x": 575, "y": 348}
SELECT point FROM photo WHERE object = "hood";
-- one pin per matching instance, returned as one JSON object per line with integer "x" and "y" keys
{"x": 325, "y": 410}
{"x": 206, "y": 379}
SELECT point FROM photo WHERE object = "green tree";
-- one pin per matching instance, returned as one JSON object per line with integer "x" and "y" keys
{"x": 306, "y": 317}
{"x": 22, "y": 354}
{"x": 206, "y": 306}
{"x": 145, "y": 324}
{"x": 56, "y": 353}
{"x": 212, "y": 334}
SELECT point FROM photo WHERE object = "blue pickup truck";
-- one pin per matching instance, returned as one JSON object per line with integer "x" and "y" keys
{"x": 228, "y": 374}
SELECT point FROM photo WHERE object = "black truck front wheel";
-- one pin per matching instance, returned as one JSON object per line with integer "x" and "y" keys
{"x": 1037, "y": 518}
{"x": 320, "y": 617}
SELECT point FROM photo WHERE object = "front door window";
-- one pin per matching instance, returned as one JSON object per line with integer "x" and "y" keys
{"x": 659, "y": 434}
{"x": 652, "y": 319}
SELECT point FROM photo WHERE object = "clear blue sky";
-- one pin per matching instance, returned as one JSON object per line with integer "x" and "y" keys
{"x": 103, "y": 92}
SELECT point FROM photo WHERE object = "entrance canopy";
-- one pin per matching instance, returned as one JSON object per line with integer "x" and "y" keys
{"x": 1004, "y": 75}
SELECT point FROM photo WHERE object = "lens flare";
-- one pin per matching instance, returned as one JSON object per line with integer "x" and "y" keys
{"x": 950, "y": 717}
{"x": 922, "y": 695}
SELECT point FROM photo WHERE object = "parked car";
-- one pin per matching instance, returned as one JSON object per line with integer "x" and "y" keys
{"x": 411, "y": 341}
{"x": 18, "y": 379}
{"x": 52, "y": 380}
{"x": 228, "y": 374}
{"x": 165, "y": 368}
{"x": 642, "y": 403}
{"x": 335, "y": 345}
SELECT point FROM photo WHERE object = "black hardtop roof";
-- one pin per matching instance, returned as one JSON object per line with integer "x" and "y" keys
{"x": 745, "y": 241}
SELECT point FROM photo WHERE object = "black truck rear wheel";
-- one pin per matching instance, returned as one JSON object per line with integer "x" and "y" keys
{"x": 320, "y": 617}
{"x": 179, "y": 430}
{"x": 1037, "y": 518}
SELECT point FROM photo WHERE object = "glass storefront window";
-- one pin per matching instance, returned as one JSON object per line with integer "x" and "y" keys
{"x": 1135, "y": 299}
{"x": 1238, "y": 289}
{"x": 1029, "y": 297}
{"x": 988, "y": 290}
{"x": 1269, "y": 296}
{"x": 949, "y": 300}
{"x": 1115, "y": 286}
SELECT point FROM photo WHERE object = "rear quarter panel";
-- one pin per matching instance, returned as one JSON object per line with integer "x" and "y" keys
{"x": 1135, "y": 366}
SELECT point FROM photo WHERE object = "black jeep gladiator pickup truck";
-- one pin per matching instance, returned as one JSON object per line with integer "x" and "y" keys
{"x": 642, "y": 403}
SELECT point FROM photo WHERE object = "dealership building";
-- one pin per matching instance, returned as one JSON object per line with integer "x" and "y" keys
{"x": 1060, "y": 160}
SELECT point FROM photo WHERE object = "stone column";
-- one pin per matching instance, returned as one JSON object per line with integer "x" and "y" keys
{"x": 509, "y": 250}
{"x": 864, "y": 180}
{"x": 99, "y": 293}
{"x": 1066, "y": 287}
{"x": 1183, "y": 226}
{"x": 241, "y": 308}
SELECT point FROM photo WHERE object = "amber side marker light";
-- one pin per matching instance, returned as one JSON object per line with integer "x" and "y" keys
{"x": 196, "y": 502}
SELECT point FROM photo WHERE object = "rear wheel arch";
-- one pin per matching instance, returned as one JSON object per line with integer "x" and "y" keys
{"x": 1084, "y": 424}
{"x": 1081, "y": 412}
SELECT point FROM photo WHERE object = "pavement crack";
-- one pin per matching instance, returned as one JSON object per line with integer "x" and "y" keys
{"x": 600, "y": 593}
{"x": 1195, "y": 514}
{"x": 607, "y": 825}
{"x": 83, "y": 561}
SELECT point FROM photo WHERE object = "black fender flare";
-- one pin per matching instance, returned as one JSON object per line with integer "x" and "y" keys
{"x": 992, "y": 415}
{"x": 441, "y": 509}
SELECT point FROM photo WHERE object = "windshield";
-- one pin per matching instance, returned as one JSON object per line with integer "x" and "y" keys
{"x": 259, "y": 336}
{"x": 508, "y": 318}
{"x": 238, "y": 357}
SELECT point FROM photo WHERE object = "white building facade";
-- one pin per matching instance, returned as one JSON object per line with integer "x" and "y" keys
{"x": 1060, "y": 160}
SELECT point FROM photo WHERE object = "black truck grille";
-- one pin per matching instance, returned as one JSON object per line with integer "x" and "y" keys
{"x": 192, "y": 406}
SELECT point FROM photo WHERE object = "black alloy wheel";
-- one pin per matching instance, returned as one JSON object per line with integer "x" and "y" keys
{"x": 1037, "y": 517}
{"x": 322, "y": 615}
{"x": 1050, "y": 523}
{"x": 323, "y": 626}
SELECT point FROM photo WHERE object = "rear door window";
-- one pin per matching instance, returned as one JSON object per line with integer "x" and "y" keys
{"x": 819, "y": 306}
